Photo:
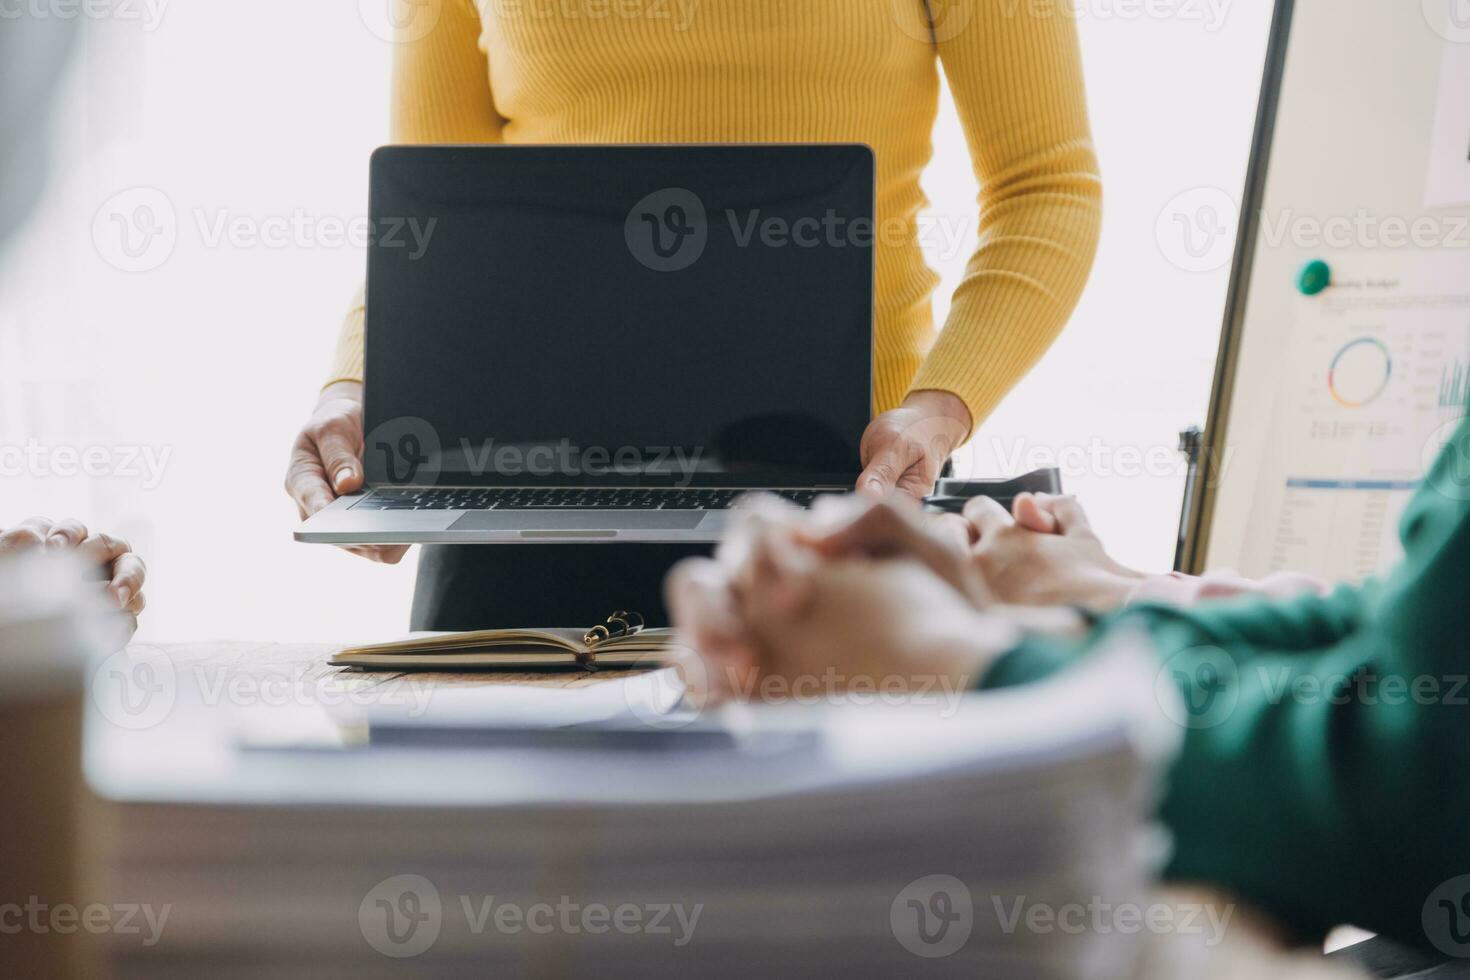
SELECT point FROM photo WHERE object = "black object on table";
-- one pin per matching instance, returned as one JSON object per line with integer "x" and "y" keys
{"x": 950, "y": 496}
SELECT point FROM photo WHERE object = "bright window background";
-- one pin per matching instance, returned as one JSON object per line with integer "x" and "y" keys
{"x": 185, "y": 384}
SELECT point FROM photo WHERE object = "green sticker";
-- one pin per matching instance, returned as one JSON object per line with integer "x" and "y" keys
{"x": 1316, "y": 276}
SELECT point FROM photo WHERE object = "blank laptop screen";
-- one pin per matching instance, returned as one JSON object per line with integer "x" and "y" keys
{"x": 619, "y": 315}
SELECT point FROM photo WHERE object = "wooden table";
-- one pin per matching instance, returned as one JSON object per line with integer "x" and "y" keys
{"x": 1251, "y": 947}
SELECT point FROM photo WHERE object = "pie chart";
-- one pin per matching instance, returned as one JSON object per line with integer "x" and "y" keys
{"x": 1359, "y": 372}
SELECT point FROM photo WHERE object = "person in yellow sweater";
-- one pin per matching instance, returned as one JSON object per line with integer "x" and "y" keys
{"x": 764, "y": 71}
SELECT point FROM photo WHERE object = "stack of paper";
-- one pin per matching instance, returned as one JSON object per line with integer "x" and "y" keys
{"x": 949, "y": 837}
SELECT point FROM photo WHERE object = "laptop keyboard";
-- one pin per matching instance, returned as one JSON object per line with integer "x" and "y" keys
{"x": 560, "y": 498}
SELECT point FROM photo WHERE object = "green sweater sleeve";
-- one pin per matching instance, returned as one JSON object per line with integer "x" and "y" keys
{"x": 1306, "y": 622}
{"x": 1322, "y": 774}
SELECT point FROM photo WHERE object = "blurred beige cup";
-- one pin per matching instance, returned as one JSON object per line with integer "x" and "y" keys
{"x": 51, "y": 622}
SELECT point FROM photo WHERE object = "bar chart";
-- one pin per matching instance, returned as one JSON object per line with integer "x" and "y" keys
{"x": 1454, "y": 385}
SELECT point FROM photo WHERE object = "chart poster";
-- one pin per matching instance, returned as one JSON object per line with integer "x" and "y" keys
{"x": 1376, "y": 367}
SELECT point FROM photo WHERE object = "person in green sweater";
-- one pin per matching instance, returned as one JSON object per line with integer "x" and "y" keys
{"x": 1321, "y": 775}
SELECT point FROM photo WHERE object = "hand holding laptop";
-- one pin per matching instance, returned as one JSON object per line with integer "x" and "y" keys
{"x": 904, "y": 450}
{"x": 326, "y": 460}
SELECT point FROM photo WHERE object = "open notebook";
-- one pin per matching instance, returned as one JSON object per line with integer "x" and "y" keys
{"x": 622, "y": 641}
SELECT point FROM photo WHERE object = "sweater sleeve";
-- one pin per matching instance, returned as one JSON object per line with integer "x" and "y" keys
{"x": 1326, "y": 738}
{"x": 441, "y": 94}
{"x": 1303, "y": 622}
{"x": 1017, "y": 80}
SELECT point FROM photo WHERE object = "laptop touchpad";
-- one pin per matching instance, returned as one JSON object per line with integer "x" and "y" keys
{"x": 578, "y": 520}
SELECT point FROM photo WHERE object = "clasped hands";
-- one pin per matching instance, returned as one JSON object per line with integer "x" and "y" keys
{"x": 120, "y": 574}
{"x": 878, "y": 594}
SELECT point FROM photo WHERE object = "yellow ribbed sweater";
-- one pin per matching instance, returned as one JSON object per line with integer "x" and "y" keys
{"x": 721, "y": 71}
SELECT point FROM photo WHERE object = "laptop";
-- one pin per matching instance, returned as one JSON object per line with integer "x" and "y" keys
{"x": 609, "y": 344}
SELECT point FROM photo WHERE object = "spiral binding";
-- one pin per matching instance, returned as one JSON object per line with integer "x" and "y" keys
{"x": 619, "y": 624}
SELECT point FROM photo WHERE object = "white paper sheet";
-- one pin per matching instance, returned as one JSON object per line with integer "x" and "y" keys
{"x": 645, "y": 694}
